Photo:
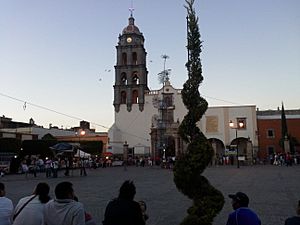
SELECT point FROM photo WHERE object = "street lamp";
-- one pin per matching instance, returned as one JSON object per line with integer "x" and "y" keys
{"x": 232, "y": 126}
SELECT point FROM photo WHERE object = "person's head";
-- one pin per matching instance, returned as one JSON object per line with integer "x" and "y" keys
{"x": 2, "y": 189}
{"x": 64, "y": 190}
{"x": 239, "y": 199}
{"x": 42, "y": 190}
{"x": 127, "y": 190}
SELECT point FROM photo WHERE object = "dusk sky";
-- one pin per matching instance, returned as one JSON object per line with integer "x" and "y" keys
{"x": 58, "y": 56}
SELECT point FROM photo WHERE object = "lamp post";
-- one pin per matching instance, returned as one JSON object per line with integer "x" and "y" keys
{"x": 125, "y": 155}
{"x": 82, "y": 160}
{"x": 236, "y": 127}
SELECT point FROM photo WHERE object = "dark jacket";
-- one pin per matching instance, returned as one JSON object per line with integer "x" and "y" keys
{"x": 123, "y": 212}
{"x": 295, "y": 220}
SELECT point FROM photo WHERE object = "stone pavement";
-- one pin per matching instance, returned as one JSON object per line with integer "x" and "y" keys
{"x": 273, "y": 191}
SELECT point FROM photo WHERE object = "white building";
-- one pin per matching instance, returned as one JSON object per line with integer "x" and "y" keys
{"x": 148, "y": 120}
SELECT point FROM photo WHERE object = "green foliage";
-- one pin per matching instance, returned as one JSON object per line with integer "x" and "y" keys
{"x": 293, "y": 143}
{"x": 37, "y": 147}
{"x": 207, "y": 201}
{"x": 92, "y": 147}
{"x": 284, "y": 129}
{"x": 48, "y": 137}
{"x": 10, "y": 145}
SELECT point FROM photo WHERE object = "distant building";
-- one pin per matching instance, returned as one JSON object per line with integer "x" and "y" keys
{"x": 269, "y": 130}
{"x": 6, "y": 122}
{"x": 27, "y": 131}
{"x": 40, "y": 131}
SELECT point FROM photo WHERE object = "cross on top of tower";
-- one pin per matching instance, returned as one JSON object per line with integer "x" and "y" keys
{"x": 131, "y": 9}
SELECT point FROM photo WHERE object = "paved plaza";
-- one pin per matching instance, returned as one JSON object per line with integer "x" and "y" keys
{"x": 273, "y": 190}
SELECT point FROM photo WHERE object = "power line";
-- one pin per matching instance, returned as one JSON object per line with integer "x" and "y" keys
{"x": 48, "y": 109}
{"x": 222, "y": 100}
{"x": 63, "y": 114}
{"x": 80, "y": 119}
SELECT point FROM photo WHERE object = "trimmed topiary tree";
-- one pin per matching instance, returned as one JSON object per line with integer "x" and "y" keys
{"x": 207, "y": 201}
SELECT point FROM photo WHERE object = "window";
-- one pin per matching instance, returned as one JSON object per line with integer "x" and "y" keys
{"x": 168, "y": 100}
{"x": 271, "y": 150}
{"x": 124, "y": 58}
{"x": 135, "y": 78}
{"x": 123, "y": 78}
{"x": 134, "y": 58}
{"x": 270, "y": 133}
{"x": 135, "y": 97}
{"x": 241, "y": 123}
{"x": 123, "y": 97}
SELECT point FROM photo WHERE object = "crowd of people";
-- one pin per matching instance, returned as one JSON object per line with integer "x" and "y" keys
{"x": 65, "y": 209}
{"x": 284, "y": 159}
{"x": 51, "y": 165}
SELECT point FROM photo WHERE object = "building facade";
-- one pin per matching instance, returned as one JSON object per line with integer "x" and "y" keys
{"x": 147, "y": 121}
{"x": 269, "y": 130}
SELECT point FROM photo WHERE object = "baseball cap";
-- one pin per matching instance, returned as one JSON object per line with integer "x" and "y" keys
{"x": 241, "y": 198}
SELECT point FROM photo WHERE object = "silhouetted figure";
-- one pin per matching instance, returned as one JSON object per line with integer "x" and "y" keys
{"x": 295, "y": 220}
{"x": 82, "y": 167}
{"x": 124, "y": 210}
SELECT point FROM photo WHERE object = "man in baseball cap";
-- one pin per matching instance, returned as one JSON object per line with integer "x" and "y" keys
{"x": 240, "y": 198}
{"x": 242, "y": 215}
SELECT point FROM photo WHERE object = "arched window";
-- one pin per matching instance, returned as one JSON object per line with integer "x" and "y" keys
{"x": 123, "y": 78}
{"x": 134, "y": 58}
{"x": 135, "y": 97}
{"x": 124, "y": 58}
{"x": 168, "y": 101}
{"x": 123, "y": 97}
{"x": 135, "y": 78}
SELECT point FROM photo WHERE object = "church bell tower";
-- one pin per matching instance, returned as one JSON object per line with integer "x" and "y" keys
{"x": 130, "y": 69}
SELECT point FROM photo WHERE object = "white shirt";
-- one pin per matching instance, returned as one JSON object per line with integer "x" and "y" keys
{"x": 6, "y": 211}
{"x": 31, "y": 214}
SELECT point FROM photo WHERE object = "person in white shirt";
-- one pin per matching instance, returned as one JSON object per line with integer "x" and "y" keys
{"x": 6, "y": 207}
{"x": 29, "y": 209}
{"x": 64, "y": 210}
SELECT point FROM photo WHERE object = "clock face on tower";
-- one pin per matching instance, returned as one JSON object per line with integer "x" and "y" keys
{"x": 129, "y": 39}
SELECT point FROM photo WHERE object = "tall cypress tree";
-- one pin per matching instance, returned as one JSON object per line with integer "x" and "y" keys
{"x": 284, "y": 129}
{"x": 207, "y": 201}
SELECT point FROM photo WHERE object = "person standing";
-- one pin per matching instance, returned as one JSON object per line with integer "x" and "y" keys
{"x": 33, "y": 166}
{"x": 64, "y": 210}
{"x": 124, "y": 210}
{"x": 29, "y": 210}
{"x": 48, "y": 167}
{"x": 82, "y": 167}
{"x": 6, "y": 207}
{"x": 294, "y": 220}
{"x": 242, "y": 215}
{"x": 67, "y": 164}
{"x": 54, "y": 167}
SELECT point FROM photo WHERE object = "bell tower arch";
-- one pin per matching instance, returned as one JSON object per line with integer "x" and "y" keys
{"x": 131, "y": 73}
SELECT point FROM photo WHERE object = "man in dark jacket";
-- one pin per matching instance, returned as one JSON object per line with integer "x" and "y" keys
{"x": 242, "y": 215}
{"x": 124, "y": 210}
{"x": 294, "y": 220}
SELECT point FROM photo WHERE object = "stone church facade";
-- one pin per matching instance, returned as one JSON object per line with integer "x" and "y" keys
{"x": 147, "y": 120}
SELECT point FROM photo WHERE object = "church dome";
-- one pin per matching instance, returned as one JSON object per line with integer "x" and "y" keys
{"x": 131, "y": 28}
